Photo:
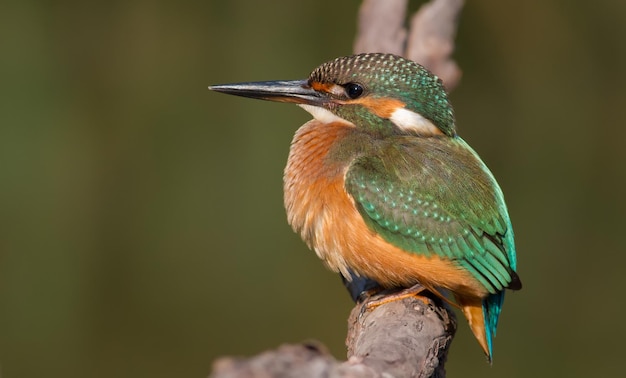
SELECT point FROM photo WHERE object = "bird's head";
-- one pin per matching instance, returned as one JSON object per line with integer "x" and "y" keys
{"x": 381, "y": 93}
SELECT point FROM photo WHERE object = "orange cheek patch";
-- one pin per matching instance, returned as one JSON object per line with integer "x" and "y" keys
{"x": 382, "y": 107}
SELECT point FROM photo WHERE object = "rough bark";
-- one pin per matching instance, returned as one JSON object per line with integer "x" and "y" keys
{"x": 403, "y": 338}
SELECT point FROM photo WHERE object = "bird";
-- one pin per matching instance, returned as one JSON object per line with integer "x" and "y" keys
{"x": 383, "y": 189}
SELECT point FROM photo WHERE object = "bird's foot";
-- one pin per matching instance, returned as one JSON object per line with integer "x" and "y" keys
{"x": 413, "y": 291}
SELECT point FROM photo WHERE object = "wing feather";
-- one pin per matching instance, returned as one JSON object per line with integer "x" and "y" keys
{"x": 437, "y": 198}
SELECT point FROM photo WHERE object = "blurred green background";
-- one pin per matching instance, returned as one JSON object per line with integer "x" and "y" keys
{"x": 142, "y": 230}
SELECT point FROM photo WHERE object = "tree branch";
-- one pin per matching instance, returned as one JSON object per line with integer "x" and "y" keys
{"x": 401, "y": 338}
{"x": 429, "y": 42}
{"x": 381, "y": 27}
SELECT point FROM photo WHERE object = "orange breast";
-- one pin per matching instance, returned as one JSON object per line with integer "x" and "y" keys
{"x": 322, "y": 212}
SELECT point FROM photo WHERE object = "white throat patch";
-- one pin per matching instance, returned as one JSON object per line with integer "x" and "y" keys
{"x": 323, "y": 115}
{"x": 410, "y": 121}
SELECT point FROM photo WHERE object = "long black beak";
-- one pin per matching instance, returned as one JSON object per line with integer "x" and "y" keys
{"x": 296, "y": 91}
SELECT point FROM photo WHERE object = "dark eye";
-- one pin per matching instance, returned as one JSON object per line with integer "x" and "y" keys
{"x": 354, "y": 90}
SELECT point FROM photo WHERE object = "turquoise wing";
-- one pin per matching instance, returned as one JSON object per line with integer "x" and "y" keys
{"x": 437, "y": 197}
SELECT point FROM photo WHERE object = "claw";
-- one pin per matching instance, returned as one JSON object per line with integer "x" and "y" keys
{"x": 413, "y": 291}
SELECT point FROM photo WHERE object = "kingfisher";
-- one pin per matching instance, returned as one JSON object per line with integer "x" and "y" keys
{"x": 383, "y": 189}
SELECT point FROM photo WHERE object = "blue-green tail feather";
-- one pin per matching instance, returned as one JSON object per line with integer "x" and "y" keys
{"x": 492, "y": 305}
